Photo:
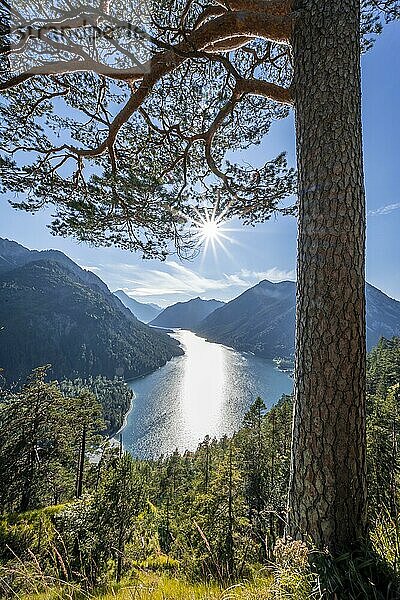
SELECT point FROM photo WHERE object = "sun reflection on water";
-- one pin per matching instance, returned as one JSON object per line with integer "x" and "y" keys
{"x": 205, "y": 392}
{"x": 203, "y": 388}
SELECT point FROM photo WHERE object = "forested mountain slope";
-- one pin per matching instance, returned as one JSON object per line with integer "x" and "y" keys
{"x": 188, "y": 494}
{"x": 52, "y": 312}
{"x": 262, "y": 319}
{"x": 14, "y": 255}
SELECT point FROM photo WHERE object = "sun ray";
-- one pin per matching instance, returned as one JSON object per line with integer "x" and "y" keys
{"x": 209, "y": 231}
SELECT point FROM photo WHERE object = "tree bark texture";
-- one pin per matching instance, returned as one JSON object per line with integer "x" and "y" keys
{"x": 327, "y": 495}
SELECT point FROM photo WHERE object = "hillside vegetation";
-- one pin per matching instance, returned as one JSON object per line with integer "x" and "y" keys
{"x": 214, "y": 516}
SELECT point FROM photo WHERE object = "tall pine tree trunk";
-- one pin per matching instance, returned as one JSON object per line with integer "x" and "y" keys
{"x": 327, "y": 497}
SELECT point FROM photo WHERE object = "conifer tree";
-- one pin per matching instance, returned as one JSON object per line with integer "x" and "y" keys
{"x": 152, "y": 110}
{"x": 42, "y": 431}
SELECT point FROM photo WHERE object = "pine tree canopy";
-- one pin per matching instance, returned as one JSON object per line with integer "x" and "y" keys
{"x": 123, "y": 114}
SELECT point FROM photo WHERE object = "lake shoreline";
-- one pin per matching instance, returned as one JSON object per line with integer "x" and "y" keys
{"x": 113, "y": 435}
{"x": 205, "y": 391}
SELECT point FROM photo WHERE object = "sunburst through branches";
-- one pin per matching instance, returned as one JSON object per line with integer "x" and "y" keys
{"x": 210, "y": 230}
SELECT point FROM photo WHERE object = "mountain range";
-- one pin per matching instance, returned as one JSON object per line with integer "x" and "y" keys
{"x": 262, "y": 319}
{"x": 186, "y": 315}
{"x": 143, "y": 312}
{"x": 53, "y": 311}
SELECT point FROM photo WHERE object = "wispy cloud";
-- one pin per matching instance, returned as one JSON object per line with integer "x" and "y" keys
{"x": 176, "y": 281}
{"x": 384, "y": 210}
{"x": 90, "y": 268}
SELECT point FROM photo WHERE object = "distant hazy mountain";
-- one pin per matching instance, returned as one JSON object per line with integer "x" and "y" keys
{"x": 143, "y": 312}
{"x": 186, "y": 315}
{"x": 383, "y": 316}
{"x": 155, "y": 306}
{"x": 262, "y": 319}
{"x": 52, "y": 311}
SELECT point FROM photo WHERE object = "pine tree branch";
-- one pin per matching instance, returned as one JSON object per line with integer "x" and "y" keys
{"x": 223, "y": 33}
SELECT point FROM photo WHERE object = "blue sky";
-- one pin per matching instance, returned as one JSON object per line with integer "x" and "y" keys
{"x": 269, "y": 250}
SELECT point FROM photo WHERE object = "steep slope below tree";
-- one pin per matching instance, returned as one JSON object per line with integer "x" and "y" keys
{"x": 262, "y": 319}
{"x": 49, "y": 315}
{"x": 186, "y": 315}
{"x": 142, "y": 311}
